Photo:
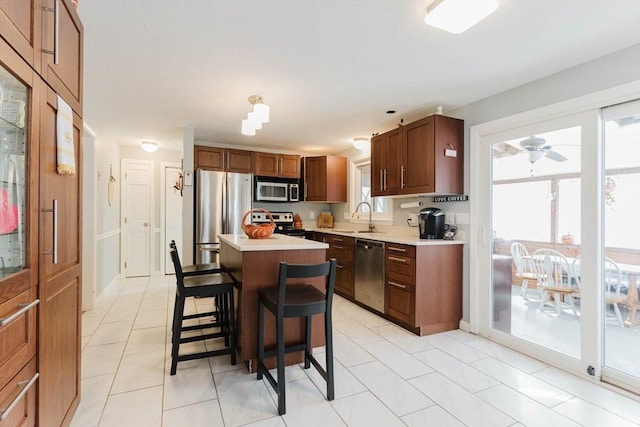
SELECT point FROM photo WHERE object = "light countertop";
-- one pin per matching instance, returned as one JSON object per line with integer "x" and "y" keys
{"x": 388, "y": 236}
{"x": 277, "y": 242}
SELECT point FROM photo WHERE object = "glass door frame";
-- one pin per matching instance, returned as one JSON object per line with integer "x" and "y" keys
{"x": 584, "y": 111}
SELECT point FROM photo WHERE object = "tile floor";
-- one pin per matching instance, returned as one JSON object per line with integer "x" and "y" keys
{"x": 385, "y": 376}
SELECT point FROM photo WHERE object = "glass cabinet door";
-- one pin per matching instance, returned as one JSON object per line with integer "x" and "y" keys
{"x": 13, "y": 174}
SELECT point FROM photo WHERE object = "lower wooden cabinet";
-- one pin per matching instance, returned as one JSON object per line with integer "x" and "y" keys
{"x": 19, "y": 398}
{"x": 400, "y": 301}
{"x": 423, "y": 286}
{"x": 342, "y": 249}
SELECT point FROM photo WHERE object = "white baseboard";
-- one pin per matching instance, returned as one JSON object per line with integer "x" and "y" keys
{"x": 465, "y": 326}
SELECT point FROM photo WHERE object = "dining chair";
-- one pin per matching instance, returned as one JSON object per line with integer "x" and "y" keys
{"x": 218, "y": 285}
{"x": 612, "y": 284}
{"x": 297, "y": 300}
{"x": 524, "y": 270}
{"x": 554, "y": 275}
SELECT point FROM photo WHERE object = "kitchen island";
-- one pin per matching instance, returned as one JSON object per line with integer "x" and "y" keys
{"x": 254, "y": 264}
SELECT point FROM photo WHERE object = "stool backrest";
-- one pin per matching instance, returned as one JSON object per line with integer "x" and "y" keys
{"x": 177, "y": 267}
{"x": 308, "y": 271}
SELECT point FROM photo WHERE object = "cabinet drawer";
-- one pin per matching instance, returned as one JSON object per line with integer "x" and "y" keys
{"x": 342, "y": 254}
{"x": 401, "y": 268}
{"x": 18, "y": 335}
{"x": 400, "y": 301}
{"x": 404, "y": 250}
{"x": 341, "y": 240}
{"x": 20, "y": 395}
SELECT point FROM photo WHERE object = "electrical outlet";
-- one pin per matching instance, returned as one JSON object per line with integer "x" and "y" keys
{"x": 312, "y": 215}
{"x": 412, "y": 220}
{"x": 450, "y": 218}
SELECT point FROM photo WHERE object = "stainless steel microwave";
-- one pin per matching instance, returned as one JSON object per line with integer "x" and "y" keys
{"x": 276, "y": 191}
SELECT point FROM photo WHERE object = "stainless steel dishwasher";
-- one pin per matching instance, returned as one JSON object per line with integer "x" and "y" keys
{"x": 369, "y": 274}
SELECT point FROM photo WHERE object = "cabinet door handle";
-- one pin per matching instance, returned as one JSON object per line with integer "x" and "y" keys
{"x": 338, "y": 247}
{"x": 402, "y": 176}
{"x": 393, "y": 258}
{"x": 4, "y": 413}
{"x": 397, "y": 285}
{"x": 56, "y": 31}
{"x": 337, "y": 239}
{"x": 393, "y": 248}
{"x": 22, "y": 308}
{"x": 385, "y": 180}
{"x": 381, "y": 181}
{"x": 339, "y": 266}
{"x": 54, "y": 252}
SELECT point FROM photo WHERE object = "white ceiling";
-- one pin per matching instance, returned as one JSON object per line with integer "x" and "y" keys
{"x": 328, "y": 69}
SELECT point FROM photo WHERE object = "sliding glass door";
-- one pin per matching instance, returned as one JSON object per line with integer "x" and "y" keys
{"x": 621, "y": 320}
{"x": 556, "y": 270}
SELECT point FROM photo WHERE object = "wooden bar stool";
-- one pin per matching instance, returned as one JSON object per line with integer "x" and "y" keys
{"x": 297, "y": 301}
{"x": 218, "y": 285}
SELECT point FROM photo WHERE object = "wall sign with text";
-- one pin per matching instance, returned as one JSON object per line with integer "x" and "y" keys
{"x": 463, "y": 198}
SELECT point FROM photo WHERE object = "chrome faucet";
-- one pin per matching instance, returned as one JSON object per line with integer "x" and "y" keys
{"x": 372, "y": 227}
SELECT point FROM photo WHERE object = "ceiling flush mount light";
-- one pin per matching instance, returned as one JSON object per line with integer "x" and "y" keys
{"x": 361, "y": 143}
{"x": 257, "y": 117}
{"x": 149, "y": 146}
{"x": 457, "y": 16}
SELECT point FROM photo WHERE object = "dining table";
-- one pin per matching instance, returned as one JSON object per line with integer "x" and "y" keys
{"x": 632, "y": 271}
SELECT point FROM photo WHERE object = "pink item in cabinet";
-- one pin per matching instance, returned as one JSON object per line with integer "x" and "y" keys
{"x": 8, "y": 214}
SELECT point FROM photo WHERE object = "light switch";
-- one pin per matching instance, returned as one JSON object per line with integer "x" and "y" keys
{"x": 312, "y": 215}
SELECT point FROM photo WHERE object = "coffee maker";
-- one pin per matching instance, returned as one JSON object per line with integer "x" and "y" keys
{"x": 431, "y": 222}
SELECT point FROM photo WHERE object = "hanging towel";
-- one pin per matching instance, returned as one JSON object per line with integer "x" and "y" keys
{"x": 64, "y": 139}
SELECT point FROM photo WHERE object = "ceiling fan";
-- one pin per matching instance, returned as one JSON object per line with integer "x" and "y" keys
{"x": 534, "y": 147}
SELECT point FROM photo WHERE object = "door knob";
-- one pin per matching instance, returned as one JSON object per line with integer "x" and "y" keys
{"x": 146, "y": 224}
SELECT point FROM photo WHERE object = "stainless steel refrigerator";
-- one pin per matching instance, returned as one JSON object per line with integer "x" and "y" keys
{"x": 222, "y": 198}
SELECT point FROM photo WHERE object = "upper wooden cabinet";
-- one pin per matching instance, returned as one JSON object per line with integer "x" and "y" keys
{"x": 278, "y": 165}
{"x": 62, "y": 41}
{"x": 431, "y": 153}
{"x": 20, "y": 26}
{"x": 223, "y": 159}
{"x": 325, "y": 179}
{"x": 386, "y": 162}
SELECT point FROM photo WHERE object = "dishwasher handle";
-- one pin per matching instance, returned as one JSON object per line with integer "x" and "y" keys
{"x": 369, "y": 244}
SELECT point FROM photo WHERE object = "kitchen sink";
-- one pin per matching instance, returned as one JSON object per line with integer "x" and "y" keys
{"x": 370, "y": 232}
{"x": 344, "y": 231}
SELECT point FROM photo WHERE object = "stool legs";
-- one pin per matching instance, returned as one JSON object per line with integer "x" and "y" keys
{"x": 328, "y": 351}
{"x": 178, "y": 313}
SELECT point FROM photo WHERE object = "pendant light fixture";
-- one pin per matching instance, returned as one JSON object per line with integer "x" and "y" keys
{"x": 257, "y": 117}
{"x": 457, "y": 16}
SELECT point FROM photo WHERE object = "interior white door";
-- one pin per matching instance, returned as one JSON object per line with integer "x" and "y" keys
{"x": 172, "y": 214}
{"x": 137, "y": 202}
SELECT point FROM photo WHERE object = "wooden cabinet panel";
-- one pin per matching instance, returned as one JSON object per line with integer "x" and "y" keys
{"x": 23, "y": 413}
{"x": 65, "y": 76}
{"x": 60, "y": 286}
{"x": 289, "y": 166}
{"x": 238, "y": 161}
{"x": 386, "y": 166}
{"x": 276, "y": 165}
{"x": 20, "y": 26}
{"x": 12, "y": 283}
{"x": 18, "y": 337}
{"x": 222, "y": 159}
{"x": 401, "y": 268}
{"x": 400, "y": 301}
{"x": 209, "y": 158}
{"x": 325, "y": 179}
{"x": 418, "y": 157}
{"x": 342, "y": 249}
